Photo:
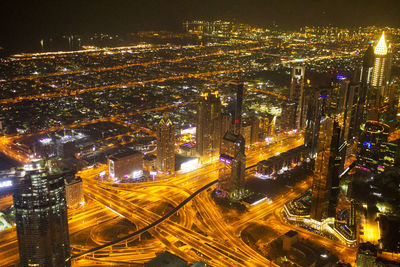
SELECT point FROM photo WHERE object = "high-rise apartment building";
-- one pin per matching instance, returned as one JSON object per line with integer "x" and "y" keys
{"x": 209, "y": 123}
{"x": 41, "y": 217}
{"x": 294, "y": 109}
{"x": 297, "y": 94}
{"x": 166, "y": 145}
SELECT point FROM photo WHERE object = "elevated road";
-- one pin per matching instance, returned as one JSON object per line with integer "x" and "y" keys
{"x": 144, "y": 229}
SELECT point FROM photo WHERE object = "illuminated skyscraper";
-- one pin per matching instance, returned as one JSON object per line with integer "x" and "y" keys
{"x": 41, "y": 217}
{"x": 325, "y": 183}
{"x": 365, "y": 81}
{"x": 208, "y": 130}
{"x": 372, "y": 146}
{"x": 380, "y": 91}
{"x": 231, "y": 177}
{"x": 317, "y": 106}
{"x": 293, "y": 110}
{"x": 379, "y": 75}
{"x": 166, "y": 145}
{"x": 325, "y": 142}
{"x": 345, "y": 96}
{"x": 297, "y": 94}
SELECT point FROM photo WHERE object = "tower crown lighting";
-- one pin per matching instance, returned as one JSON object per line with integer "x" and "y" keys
{"x": 381, "y": 48}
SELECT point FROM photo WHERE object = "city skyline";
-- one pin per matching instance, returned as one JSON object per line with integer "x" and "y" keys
{"x": 221, "y": 143}
{"x": 31, "y": 22}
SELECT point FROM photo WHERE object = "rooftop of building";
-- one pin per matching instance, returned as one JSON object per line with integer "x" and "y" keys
{"x": 231, "y": 137}
{"x": 390, "y": 232}
{"x": 291, "y": 233}
{"x": 293, "y": 151}
{"x": 73, "y": 180}
{"x": 125, "y": 153}
{"x": 149, "y": 157}
{"x": 188, "y": 145}
{"x": 166, "y": 259}
{"x": 367, "y": 248}
{"x": 200, "y": 264}
{"x": 381, "y": 48}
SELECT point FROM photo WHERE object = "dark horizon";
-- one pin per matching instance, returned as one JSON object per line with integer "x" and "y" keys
{"x": 26, "y": 22}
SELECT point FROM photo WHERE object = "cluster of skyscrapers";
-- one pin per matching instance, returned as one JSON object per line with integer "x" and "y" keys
{"x": 351, "y": 118}
{"x": 218, "y": 136}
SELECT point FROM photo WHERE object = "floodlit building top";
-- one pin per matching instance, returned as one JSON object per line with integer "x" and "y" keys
{"x": 381, "y": 48}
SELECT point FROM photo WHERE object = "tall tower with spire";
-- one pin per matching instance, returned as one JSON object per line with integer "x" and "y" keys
{"x": 379, "y": 92}
{"x": 379, "y": 76}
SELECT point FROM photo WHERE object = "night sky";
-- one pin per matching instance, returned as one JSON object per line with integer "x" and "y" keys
{"x": 25, "y": 20}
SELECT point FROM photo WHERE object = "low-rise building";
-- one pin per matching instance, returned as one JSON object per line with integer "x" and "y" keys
{"x": 73, "y": 191}
{"x": 126, "y": 164}
{"x": 289, "y": 239}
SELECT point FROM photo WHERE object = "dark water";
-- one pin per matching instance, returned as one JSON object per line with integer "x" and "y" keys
{"x": 7, "y": 163}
